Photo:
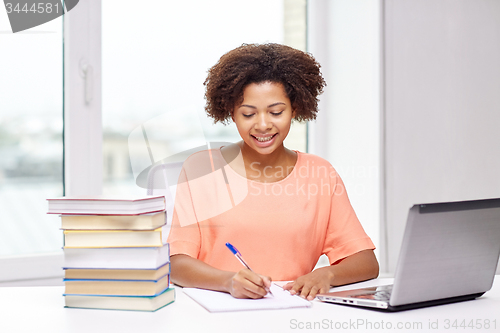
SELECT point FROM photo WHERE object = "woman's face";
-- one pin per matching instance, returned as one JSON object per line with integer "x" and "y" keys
{"x": 264, "y": 116}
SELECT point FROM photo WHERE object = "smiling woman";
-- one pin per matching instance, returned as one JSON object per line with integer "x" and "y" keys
{"x": 297, "y": 216}
{"x": 262, "y": 88}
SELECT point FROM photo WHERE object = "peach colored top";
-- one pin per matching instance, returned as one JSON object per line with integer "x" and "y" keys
{"x": 280, "y": 228}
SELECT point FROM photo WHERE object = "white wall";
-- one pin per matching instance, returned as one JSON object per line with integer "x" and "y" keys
{"x": 442, "y": 106}
{"x": 411, "y": 111}
{"x": 344, "y": 36}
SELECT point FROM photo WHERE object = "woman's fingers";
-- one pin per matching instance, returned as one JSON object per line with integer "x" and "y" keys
{"x": 266, "y": 280}
{"x": 309, "y": 285}
{"x": 247, "y": 284}
{"x": 288, "y": 286}
{"x": 296, "y": 287}
{"x": 312, "y": 293}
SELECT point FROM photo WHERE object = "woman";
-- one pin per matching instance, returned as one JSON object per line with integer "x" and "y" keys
{"x": 281, "y": 208}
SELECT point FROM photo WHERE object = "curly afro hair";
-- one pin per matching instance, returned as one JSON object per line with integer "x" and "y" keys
{"x": 255, "y": 63}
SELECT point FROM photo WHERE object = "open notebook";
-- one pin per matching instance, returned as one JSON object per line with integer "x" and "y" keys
{"x": 215, "y": 301}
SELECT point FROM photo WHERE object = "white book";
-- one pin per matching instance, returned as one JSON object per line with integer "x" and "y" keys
{"x": 117, "y": 258}
{"x": 102, "y": 205}
{"x": 216, "y": 301}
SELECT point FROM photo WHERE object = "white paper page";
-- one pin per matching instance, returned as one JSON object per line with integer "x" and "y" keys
{"x": 281, "y": 283}
{"x": 215, "y": 301}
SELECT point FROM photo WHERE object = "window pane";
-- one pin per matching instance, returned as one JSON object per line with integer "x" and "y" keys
{"x": 155, "y": 60}
{"x": 31, "y": 146}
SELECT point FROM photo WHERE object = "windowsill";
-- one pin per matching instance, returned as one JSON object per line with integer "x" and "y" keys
{"x": 33, "y": 267}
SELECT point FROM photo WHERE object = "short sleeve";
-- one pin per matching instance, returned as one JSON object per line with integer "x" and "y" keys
{"x": 345, "y": 235}
{"x": 184, "y": 237}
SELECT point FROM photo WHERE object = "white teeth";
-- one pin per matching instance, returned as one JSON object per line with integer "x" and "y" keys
{"x": 264, "y": 139}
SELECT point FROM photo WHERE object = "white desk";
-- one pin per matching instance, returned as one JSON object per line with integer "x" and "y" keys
{"x": 40, "y": 309}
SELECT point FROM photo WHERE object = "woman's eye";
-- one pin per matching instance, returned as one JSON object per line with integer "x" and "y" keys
{"x": 247, "y": 115}
{"x": 276, "y": 113}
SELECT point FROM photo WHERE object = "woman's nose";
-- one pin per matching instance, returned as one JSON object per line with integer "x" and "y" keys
{"x": 263, "y": 122}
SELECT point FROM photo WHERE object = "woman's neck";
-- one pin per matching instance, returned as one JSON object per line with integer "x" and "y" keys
{"x": 270, "y": 167}
{"x": 278, "y": 157}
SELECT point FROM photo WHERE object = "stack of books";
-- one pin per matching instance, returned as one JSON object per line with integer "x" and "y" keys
{"x": 115, "y": 252}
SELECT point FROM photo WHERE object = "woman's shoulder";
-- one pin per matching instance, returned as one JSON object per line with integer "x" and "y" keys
{"x": 315, "y": 166}
{"x": 311, "y": 158}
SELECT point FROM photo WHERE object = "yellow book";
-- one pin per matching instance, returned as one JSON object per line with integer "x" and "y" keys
{"x": 113, "y": 238}
{"x": 113, "y": 222}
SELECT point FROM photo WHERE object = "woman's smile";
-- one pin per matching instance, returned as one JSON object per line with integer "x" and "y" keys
{"x": 264, "y": 141}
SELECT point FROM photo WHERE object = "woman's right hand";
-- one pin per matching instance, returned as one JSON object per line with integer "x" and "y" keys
{"x": 247, "y": 284}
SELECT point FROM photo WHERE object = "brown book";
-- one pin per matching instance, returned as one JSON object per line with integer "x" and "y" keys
{"x": 117, "y": 274}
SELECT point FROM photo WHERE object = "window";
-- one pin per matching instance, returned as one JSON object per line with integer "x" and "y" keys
{"x": 154, "y": 65}
{"x": 31, "y": 145}
{"x": 154, "y": 62}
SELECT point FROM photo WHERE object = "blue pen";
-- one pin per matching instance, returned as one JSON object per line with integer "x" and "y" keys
{"x": 238, "y": 256}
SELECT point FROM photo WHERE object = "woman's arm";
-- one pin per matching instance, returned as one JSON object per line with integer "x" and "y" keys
{"x": 190, "y": 272}
{"x": 360, "y": 266}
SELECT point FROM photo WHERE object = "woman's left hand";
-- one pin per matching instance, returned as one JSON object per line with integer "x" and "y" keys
{"x": 307, "y": 286}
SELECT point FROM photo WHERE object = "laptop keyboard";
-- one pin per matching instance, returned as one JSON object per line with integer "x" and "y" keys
{"x": 379, "y": 295}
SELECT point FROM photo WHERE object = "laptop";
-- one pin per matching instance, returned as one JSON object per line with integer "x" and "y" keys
{"x": 449, "y": 253}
